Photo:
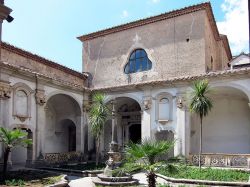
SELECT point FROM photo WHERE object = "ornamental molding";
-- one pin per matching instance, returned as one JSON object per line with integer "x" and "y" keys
{"x": 86, "y": 105}
{"x": 40, "y": 97}
{"x": 147, "y": 102}
{"x": 181, "y": 102}
{"x": 5, "y": 90}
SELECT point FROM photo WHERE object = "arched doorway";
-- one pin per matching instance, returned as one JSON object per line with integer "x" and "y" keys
{"x": 128, "y": 116}
{"x": 62, "y": 131}
{"x": 226, "y": 129}
{"x": 23, "y": 155}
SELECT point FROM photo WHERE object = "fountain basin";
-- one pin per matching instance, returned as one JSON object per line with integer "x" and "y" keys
{"x": 104, "y": 180}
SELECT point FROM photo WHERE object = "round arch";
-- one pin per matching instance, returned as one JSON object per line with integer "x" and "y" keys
{"x": 233, "y": 85}
{"x": 226, "y": 128}
{"x": 58, "y": 92}
{"x": 130, "y": 96}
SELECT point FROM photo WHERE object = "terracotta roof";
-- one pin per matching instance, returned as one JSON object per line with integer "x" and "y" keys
{"x": 41, "y": 60}
{"x": 226, "y": 45}
{"x": 167, "y": 15}
{"x": 170, "y": 81}
{"x": 186, "y": 10}
{"x": 23, "y": 69}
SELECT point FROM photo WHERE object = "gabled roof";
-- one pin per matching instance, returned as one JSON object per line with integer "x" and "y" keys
{"x": 41, "y": 60}
{"x": 203, "y": 6}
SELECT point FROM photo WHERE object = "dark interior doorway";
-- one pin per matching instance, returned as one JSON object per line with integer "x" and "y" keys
{"x": 135, "y": 133}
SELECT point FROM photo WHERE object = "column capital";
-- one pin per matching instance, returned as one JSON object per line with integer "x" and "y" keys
{"x": 147, "y": 102}
{"x": 86, "y": 105}
{"x": 5, "y": 90}
{"x": 40, "y": 97}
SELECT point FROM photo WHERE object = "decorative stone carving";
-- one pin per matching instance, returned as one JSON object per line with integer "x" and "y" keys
{"x": 40, "y": 97}
{"x": 86, "y": 105}
{"x": 179, "y": 101}
{"x": 57, "y": 158}
{"x": 219, "y": 160}
{"x": 5, "y": 90}
{"x": 22, "y": 118}
{"x": 195, "y": 159}
{"x": 147, "y": 102}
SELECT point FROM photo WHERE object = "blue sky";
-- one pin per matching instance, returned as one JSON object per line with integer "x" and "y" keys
{"x": 49, "y": 27}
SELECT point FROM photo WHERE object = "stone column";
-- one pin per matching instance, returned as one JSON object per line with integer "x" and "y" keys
{"x": 38, "y": 152}
{"x": 113, "y": 144}
{"x": 5, "y": 92}
{"x": 84, "y": 127}
{"x": 146, "y": 117}
{"x": 183, "y": 128}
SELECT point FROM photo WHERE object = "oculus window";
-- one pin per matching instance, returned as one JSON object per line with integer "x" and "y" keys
{"x": 138, "y": 61}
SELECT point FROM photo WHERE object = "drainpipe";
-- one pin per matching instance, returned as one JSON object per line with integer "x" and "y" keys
{"x": 36, "y": 134}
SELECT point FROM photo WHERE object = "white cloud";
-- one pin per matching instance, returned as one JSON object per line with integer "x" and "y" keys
{"x": 235, "y": 24}
{"x": 124, "y": 14}
{"x": 155, "y": 1}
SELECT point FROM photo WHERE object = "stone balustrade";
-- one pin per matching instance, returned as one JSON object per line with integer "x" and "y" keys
{"x": 60, "y": 158}
{"x": 221, "y": 160}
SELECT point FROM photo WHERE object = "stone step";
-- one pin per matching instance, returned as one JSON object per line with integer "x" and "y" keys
{"x": 97, "y": 181}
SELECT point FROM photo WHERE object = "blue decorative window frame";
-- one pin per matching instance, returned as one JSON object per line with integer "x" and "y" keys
{"x": 138, "y": 61}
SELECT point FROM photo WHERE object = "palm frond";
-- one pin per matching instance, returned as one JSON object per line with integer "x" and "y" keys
{"x": 200, "y": 102}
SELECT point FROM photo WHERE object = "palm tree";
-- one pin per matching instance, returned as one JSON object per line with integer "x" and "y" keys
{"x": 200, "y": 104}
{"x": 11, "y": 139}
{"x": 147, "y": 153}
{"x": 98, "y": 116}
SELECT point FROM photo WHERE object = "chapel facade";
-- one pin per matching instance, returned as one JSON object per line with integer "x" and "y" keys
{"x": 146, "y": 68}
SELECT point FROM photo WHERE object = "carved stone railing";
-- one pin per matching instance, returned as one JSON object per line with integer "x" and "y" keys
{"x": 60, "y": 158}
{"x": 221, "y": 160}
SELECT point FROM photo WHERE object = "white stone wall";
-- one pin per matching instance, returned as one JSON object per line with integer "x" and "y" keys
{"x": 37, "y": 123}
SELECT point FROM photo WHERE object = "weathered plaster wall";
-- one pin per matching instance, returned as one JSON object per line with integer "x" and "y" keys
{"x": 166, "y": 46}
{"x": 226, "y": 129}
{"x": 22, "y": 61}
{"x": 37, "y": 123}
{"x": 216, "y": 57}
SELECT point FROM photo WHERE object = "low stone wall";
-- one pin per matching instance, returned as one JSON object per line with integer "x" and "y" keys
{"x": 60, "y": 158}
{"x": 221, "y": 160}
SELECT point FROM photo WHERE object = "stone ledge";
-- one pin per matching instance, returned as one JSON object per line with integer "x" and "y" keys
{"x": 203, "y": 182}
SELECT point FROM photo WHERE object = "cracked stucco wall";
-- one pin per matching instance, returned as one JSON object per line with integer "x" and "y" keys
{"x": 216, "y": 57}
{"x": 165, "y": 43}
{"x": 15, "y": 59}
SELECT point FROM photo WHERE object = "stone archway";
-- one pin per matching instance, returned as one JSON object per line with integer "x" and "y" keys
{"x": 63, "y": 125}
{"x": 227, "y": 127}
{"x": 128, "y": 122}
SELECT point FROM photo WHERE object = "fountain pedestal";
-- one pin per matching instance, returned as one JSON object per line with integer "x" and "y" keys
{"x": 114, "y": 161}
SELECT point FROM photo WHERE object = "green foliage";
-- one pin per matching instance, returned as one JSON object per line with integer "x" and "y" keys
{"x": 13, "y": 138}
{"x": 14, "y": 182}
{"x": 144, "y": 155}
{"x": 189, "y": 172}
{"x": 200, "y": 103}
{"x": 98, "y": 115}
{"x": 147, "y": 151}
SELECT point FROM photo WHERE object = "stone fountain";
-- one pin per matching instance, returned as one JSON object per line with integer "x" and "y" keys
{"x": 114, "y": 161}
